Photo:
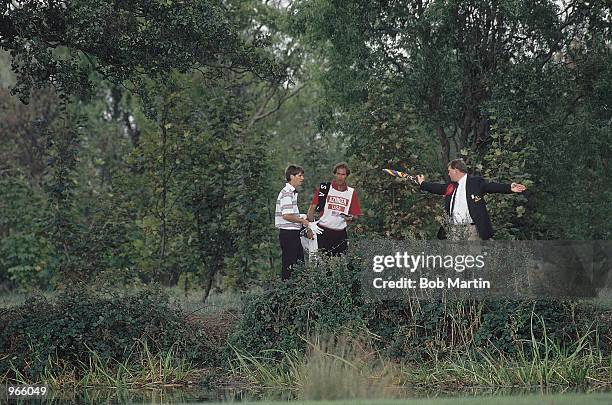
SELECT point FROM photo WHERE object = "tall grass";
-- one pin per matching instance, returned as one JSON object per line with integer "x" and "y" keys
{"x": 342, "y": 368}
{"x": 141, "y": 369}
{"x": 454, "y": 333}
{"x": 537, "y": 363}
{"x": 331, "y": 368}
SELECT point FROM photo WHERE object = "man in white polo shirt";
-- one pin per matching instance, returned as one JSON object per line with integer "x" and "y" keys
{"x": 338, "y": 205}
{"x": 288, "y": 220}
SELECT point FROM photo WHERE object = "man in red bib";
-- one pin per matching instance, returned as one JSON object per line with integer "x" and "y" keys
{"x": 337, "y": 205}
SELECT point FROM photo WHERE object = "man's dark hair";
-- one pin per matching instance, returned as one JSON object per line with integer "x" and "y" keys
{"x": 342, "y": 165}
{"x": 293, "y": 170}
{"x": 458, "y": 164}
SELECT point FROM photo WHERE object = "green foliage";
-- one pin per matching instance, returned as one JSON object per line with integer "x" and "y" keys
{"x": 506, "y": 323}
{"x": 60, "y": 185}
{"x": 506, "y": 160}
{"x": 170, "y": 200}
{"x": 551, "y": 125}
{"x": 169, "y": 167}
{"x": 389, "y": 138}
{"x": 82, "y": 321}
{"x": 122, "y": 41}
{"x": 196, "y": 177}
{"x": 502, "y": 83}
{"x": 24, "y": 252}
{"x": 323, "y": 297}
{"x": 327, "y": 297}
{"x": 23, "y": 260}
{"x": 20, "y": 203}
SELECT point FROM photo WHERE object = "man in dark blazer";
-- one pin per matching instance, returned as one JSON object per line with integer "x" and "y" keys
{"x": 464, "y": 198}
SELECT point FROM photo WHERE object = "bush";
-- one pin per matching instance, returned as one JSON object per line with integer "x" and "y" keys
{"x": 82, "y": 322}
{"x": 23, "y": 258}
{"x": 438, "y": 329}
{"x": 321, "y": 297}
{"x": 327, "y": 298}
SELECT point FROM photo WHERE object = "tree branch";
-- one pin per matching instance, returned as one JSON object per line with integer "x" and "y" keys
{"x": 278, "y": 105}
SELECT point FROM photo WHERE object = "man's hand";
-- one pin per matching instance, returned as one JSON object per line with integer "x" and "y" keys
{"x": 304, "y": 221}
{"x": 347, "y": 218}
{"x": 517, "y": 188}
{"x": 420, "y": 178}
{"x": 314, "y": 228}
{"x": 298, "y": 219}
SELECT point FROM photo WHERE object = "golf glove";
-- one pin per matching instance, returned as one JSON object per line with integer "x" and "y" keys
{"x": 314, "y": 228}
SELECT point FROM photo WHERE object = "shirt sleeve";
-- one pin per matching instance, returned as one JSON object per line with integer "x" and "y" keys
{"x": 355, "y": 208}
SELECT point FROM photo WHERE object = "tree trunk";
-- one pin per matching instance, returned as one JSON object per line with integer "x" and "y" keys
{"x": 445, "y": 145}
{"x": 208, "y": 285}
{"x": 162, "y": 226}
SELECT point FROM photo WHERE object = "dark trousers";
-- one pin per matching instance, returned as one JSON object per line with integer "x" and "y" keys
{"x": 333, "y": 242}
{"x": 291, "y": 248}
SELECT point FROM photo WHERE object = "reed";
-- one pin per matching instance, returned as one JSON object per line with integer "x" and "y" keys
{"x": 140, "y": 369}
{"x": 344, "y": 368}
{"x": 538, "y": 363}
{"x": 330, "y": 368}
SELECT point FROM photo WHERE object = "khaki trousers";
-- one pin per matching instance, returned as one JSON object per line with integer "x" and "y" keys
{"x": 463, "y": 232}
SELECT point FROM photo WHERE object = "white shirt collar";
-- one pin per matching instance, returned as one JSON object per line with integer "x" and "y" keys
{"x": 289, "y": 187}
{"x": 463, "y": 179}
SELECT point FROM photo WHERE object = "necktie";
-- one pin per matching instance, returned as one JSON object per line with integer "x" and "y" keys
{"x": 452, "y": 207}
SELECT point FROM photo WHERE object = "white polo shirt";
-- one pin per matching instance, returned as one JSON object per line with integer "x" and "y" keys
{"x": 286, "y": 203}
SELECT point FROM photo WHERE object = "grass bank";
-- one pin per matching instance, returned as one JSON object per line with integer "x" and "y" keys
{"x": 347, "y": 367}
{"x": 150, "y": 338}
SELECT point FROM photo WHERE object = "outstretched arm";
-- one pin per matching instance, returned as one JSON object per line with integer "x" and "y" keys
{"x": 503, "y": 188}
{"x": 436, "y": 188}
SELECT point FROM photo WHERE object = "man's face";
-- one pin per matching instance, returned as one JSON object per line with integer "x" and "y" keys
{"x": 340, "y": 176}
{"x": 455, "y": 174}
{"x": 297, "y": 179}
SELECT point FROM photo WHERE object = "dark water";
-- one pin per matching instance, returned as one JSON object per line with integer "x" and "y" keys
{"x": 190, "y": 395}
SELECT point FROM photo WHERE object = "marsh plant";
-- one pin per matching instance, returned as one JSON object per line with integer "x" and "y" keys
{"x": 340, "y": 367}
{"x": 141, "y": 368}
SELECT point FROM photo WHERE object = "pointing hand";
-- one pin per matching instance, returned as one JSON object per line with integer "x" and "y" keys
{"x": 517, "y": 188}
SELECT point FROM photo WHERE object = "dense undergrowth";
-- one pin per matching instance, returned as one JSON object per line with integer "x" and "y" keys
{"x": 86, "y": 336}
{"x": 327, "y": 298}
{"x": 316, "y": 335}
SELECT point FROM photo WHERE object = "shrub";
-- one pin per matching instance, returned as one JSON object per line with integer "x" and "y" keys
{"x": 82, "y": 322}
{"x": 438, "y": 329}
{"x": 23, "y": 258}
{"x": 323, "y": 297}
{"x": 326, "y": 297}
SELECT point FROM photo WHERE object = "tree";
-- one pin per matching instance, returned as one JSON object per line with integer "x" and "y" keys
{"x": 61, "y": 42}
{"x": 81, "y": 46}
{"x": 459, "y": 66}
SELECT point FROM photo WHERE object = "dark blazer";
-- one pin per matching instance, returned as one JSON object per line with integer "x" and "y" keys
{"x": 476, "y": 188}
